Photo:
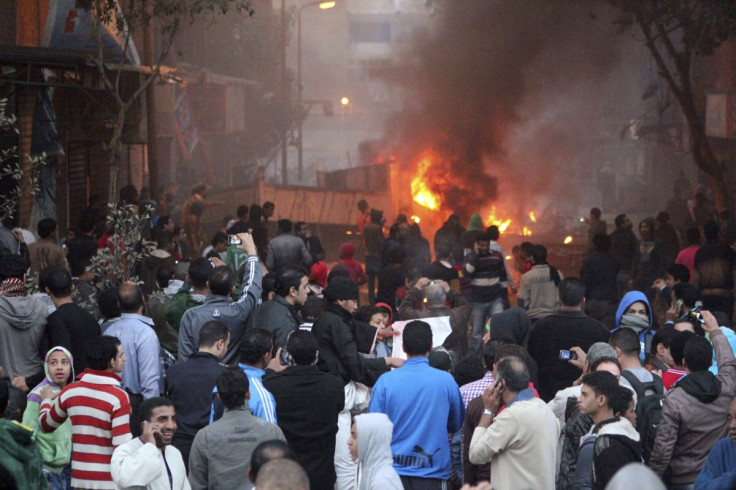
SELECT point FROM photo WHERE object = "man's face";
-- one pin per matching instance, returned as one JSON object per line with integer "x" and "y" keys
{"x": 483, "y": 247}
{"x": 59, "y": 367}
{"x": 587, "y": 400}
{"x": 669, "y": 280}
{"x": 118, "y": 364}
{"x": 644, "y": 230}
{"x": 169, "y": 226}
{"x": 164, "y": 419}
{"x": 300, "y": 295}
{"x": 303, "y": 232}
{"x": 630, "y": 413}
{"x": 220, "y": 247}
{"x": 353, "y": 442}
{"x": 638, "y": 308}
{"x": 731, "y": 420}
{"x": 663, "y": 353}
{"x": 351, "y": 305}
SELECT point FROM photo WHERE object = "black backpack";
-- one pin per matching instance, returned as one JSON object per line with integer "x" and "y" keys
{"x": 648, "y": 409}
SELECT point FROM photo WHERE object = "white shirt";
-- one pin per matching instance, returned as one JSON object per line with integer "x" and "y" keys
{"x": 138, "y": 465}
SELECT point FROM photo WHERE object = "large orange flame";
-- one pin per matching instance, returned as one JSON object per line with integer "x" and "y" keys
{"x": 420, "y": 192}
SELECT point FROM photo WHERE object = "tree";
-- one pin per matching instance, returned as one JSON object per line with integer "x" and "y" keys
{"x": 677, "y": 33}
{"x": 166, "y": 17}
{"x": 13, "y": 180}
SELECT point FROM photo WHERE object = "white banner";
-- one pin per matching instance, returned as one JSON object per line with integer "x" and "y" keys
{"x": 440, "y": 330}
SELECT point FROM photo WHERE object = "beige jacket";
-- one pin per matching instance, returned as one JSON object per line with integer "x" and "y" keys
{"x": 521, "y": 445}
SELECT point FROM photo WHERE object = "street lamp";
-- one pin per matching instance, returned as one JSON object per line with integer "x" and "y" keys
{"x": 300, "y": 145}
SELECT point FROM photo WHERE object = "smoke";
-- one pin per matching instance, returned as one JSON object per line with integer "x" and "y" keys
{"x": 508, "y": 96}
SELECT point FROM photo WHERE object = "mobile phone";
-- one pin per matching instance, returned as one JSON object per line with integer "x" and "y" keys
{"x": 284, "y": 357}
{"x": 233, "y": 240}
{"x": 678, "y": 305}
{"x": 566, "y": 355}
{"x": 696, "y": 316}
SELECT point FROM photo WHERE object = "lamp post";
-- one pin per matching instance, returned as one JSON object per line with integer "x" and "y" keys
{"x": 300, "y": 145}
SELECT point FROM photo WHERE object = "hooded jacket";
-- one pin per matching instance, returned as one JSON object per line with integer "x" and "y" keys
{"x": 357, "y": 273}
{"x": 693, "y": 412}
{"x": 643, "y": 329}
{"x": 616, "y": 445}
{"x": 22, "y": 326}
{"x": 55, "y": 447}
{"x": 375, "y": 462}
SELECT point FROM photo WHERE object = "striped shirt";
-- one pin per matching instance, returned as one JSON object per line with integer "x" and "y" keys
{"x": 100, "y": 411}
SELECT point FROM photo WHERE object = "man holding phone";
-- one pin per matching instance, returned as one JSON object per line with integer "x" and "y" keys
{"x": 521, "y": 442}
{"x": 150, "y": 461}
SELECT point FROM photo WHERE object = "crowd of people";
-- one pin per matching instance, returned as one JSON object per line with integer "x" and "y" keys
{"x": 251, "y": 363}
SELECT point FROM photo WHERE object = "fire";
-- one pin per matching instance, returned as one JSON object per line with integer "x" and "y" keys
{"x": 421, "y": 194}
{"x": 568, "y": 240}
{"x": 503, "y": 224}
{"x": 526, "y": 232}
{"x": 416, "y": 219}
{"x": 532, "y": 217}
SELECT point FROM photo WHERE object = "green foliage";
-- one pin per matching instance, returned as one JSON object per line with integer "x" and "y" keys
{"x": 11, "y": 168}
{"x": 126, "y": 247}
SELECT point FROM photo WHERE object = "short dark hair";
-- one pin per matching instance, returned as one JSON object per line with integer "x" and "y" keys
{"x": 602, "y": 242}
{"x": 269, "y": 205}
{"x": 268, "y": 285}
{"x": 417, "y": 338}
{"x": 483, "y": 237}
{"x": 663, "y": 336}
{"x": 603, "y": 383}
{"x": 688, "y": 293}
{"x": 677, "y": 345}
{"x": 130, "y": 297}
{"x": 514, "y": 372}
{"x": 509, "y": 350}
{"x": 99, "y": 351}
{"x": 710, "y": 230}
{"x": 242, "y": 210}
{"x": 232, "y": 385}
{"x": 221, "y": 280}
{"x": 199, "y": 272}
{"x": 493, "y": 232}
{"x": 619, "y": 220}
{"x": 211, "y": 332}
{"x": 698, "y": 353}
{"x": 571, "y": 291}
{"x": 442, "y": 250}
{"x": 145, "y": 410}
{"x": 313, "y": 307}
{"x": 46, "y": 227}
{"x": 626, "y": 340}
{"x": 539, "y": 254}
{"x": 287, "y": 279}
{"x": 490, "y": 350}
{"x": 255, "y": 212}
{"x": 678, "y": 272}
{"x": 604, "y": 360}
{"x": 59, "y": 281}
{"x": 255, "y": 343}
{"x": 107, "y": 302}
{"x": 217, "y": 238}
{"x": 267, "y": 451}
{"x": 467, "y": 370}
{"x": 302, "y": 347}
{"x": 284, "y": 225}
{"x": 362, "y": 204}
{"x": 595, "y": 212}
{"x": 692, "y": 236}
{"x": 12, "y": 265}
{"x": 300, "y": 225}
{"x": 621, "y": 401}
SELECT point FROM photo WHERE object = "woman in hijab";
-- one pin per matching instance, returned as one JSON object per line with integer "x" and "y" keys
{"x": 55, "y": 447}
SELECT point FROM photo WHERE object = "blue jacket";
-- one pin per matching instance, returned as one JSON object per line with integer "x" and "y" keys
{"x": 628, "y": 299}
{"x": 719, "y": 472}
{"x": 261, "y": 402}
{"x": 424, "y": 405}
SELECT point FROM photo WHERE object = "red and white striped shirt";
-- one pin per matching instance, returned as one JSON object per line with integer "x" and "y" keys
{"x": 100, "y": 413}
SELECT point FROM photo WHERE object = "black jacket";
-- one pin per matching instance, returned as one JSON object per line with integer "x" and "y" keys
{"x": 308, "y": 402}
{"x": 189, "y": 385}
{"x": 71, "y": 326}
{"x": 616, "y": 445}
{"x": 560, "y": 331}
{"x": 336, "y": 332}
